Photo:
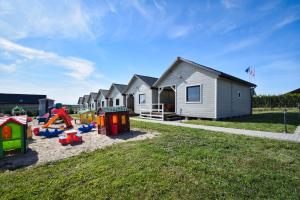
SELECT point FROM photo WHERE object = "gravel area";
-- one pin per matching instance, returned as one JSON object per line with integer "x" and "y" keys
{"x": 42, "y": 150}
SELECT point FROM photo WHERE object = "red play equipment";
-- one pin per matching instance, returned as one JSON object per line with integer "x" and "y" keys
{"x": 59, "y": 113}
{"x": 72, "y": 138}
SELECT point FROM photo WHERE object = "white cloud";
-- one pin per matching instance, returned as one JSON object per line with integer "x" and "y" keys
{"x": 32, "y": 18}
{"x": 79, "y": 68}
{"x": 287, "y": 20}
{"x": 140, "y": 8}
{"x": 179, "y": 31}
{"x": 8, "y": 68}
{"x": 229, "y": 4}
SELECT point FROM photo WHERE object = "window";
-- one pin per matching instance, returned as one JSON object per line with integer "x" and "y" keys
{"x": 117, "y": 102}
{"x": 142, "y": 98}
{"x": 239, "y": 94}
{"x": 114, "y": 119}
{"x": 193, "y": 93}
{"x": 123, "y": 119}
{"x": 102, "y": 104}
{"x": 6, "y": 133}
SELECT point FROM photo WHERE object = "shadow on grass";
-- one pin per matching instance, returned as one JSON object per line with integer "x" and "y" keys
{"x": 128, "y": 135}
{"x": 19, "y": 160}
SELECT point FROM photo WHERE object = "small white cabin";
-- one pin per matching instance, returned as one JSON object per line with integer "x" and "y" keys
{"x": 115, "y": 95}
{"x": 140, "y": 92}
{"x": 86, "y": 102}
{"x": 92, "y": 101}
{"x": 101, "y": 98}
{"x": 192, "y": 90}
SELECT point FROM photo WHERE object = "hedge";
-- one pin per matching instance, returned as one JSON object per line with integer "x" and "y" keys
{"x": 276, "y": 101}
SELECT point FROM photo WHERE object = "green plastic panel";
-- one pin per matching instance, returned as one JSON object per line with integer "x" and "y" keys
{"x": 12, "y": 144}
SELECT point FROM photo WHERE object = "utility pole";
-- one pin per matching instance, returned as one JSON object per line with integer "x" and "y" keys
{"x": 284, "y": 119}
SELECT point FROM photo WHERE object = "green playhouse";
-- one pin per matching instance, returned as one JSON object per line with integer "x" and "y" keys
{"x": 13, "y": 132}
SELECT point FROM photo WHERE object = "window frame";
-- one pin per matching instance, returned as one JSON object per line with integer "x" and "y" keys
{"x": 140, "y": 98}
{"x": 117, "y": 100}
{"x": 200, "y": 94}
{"x": 239, "y": 94}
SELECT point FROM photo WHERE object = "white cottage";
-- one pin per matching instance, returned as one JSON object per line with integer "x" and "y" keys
{"x": 92, "y": 101}
{"x": 116, "y": 96}
{"x": 192, "y": 90}
{"x": 140, "y": 92}
{"x": 80, "y": 103}
{"x": 86, "y": 102}
{"x": 101, "y": 98}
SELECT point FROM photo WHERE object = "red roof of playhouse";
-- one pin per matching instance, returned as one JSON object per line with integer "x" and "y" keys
{"x": 22, "y": 120}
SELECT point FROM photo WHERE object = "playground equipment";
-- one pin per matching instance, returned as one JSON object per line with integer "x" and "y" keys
{"x": 46, "y": 133}
{"x": 71, "y": 137}
{"x": 44, "y": 118}
{"x": 13, "y": 134}
{"x": 86, "y": 129}
{"x": 18, "y": 110}
{"x": 59, "y": 113}
{"x": 86, "y": 116}
{"x": 113, "y": 120}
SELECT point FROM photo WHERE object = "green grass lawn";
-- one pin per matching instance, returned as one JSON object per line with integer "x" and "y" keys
{"x": 261, "y": 121}
{"x": 181, "y": 163}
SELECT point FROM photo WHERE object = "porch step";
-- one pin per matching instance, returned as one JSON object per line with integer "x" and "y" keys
{"x": 173, "y": 117}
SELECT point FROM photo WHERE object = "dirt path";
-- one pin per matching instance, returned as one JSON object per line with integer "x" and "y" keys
{"x": 43, "y": 150}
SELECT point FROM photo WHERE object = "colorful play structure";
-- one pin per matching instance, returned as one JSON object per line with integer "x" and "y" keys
{"x": 113, "y": 120}
{"x": 87, "y": 116}
{"x": 18, "y": 110}
{"x": 86, "y": 129}
{"x": 13, "y": 135}
{"x": 59, "y": 112}
{"x": 47, "y": 133}
{"x": 71, "y": 137}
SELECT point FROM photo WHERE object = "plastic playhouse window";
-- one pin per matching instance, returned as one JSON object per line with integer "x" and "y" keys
{"x": 115, "y": 119}
{"x": 123, "y": 119}
{"x": 102, "y": 123}
{"x": 6, "y": 133}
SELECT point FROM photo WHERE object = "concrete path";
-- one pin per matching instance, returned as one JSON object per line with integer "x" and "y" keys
{"x": 261, "y": 134}
{"x": 297, "y": 131}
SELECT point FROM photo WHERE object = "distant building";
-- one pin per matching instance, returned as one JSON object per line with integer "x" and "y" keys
{"x": 297, "y": 91}
{"x": 29, "y": 102}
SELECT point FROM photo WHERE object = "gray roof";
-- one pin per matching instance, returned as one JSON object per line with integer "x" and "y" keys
{"x": 103, "y": 92}
{"x": 80, "y": 100}
{"x": 120, "y": 87}
{"x": 147, "y": 79}
{"x": 86, "y": 98}
{"x": 219, "y": 73}
{"x": 92, "y": 96}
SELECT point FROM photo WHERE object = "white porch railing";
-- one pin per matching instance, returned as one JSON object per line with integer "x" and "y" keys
{"x": 152, "y": 111}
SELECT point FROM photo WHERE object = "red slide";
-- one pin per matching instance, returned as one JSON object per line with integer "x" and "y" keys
{"x": 60, "y": 113}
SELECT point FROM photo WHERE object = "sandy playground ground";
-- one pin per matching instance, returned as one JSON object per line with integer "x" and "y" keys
{"x": 42, "y": 150}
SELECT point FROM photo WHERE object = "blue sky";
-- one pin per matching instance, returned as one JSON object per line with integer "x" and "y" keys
{"x": 69, "y": 48}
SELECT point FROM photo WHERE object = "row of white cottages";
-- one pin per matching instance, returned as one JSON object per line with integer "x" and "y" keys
{"x": 186, "y": 89}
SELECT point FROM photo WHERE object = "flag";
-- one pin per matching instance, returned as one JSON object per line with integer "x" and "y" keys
{"x": 248, "y": 70}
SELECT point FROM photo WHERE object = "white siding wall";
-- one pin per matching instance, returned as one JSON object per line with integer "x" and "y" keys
{"x": 139, "y": 87}
{"x": 115, "y": 94}
{"x": 185, "y": 74}
{"x": 229, "y": 104}
{"x": 99, "y": 101}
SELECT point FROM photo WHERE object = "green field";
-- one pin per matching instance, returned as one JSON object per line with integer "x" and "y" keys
{"x": 181, "y": 163}
{"x": 271, "y": 120}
